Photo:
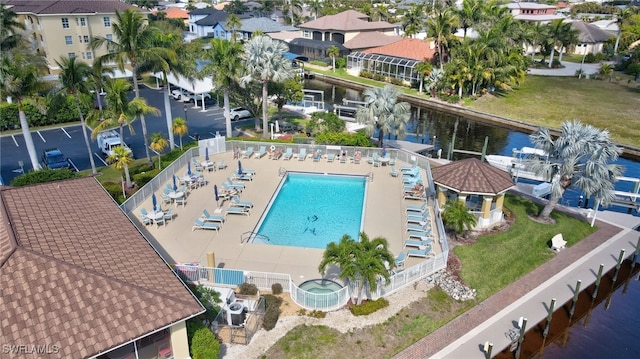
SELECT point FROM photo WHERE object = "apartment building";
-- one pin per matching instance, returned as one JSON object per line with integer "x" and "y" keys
{"x": 63, "y": 28}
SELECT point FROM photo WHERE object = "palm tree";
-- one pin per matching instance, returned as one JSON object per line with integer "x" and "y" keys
{"x": 315, "y": 7}
{"x": 606, "y": 70}
{"x": 423, "y": 68}
{"x": 9, "y": 26}
{"x": 413, "y": 20}
{"x": 621, "y": 17}
{"x": 441, "y": 25}
{"x": 158, "y": 143}
{"x": 293, "y": 7}
{"x": 469, "y": 14}
{"x": 383, "y": 112}
{"x": 132, "y": 46}
{"x": 121, "y": 159}
{"x": 264, "y": 61}
{"x": 568, "y": 37}
{"x": 434, "y": 81}
{"x": 224, "y": 67}
{"x": 97, "y": 77}
{"x": 180, "y": 128}
{"x": 582, "y": 157}
{"x": 233, "y": 24}
{"x": 556, "y": 30}
{"x": 73, "y": 78}
{"x": 457, "y": 217}
{"x": 333, "y": 52}
{"x": 20, "y": 71}
{"x": 360, "y": 263}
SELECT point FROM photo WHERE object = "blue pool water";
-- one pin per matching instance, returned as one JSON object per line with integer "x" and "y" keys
{"x": 310, "y": 210}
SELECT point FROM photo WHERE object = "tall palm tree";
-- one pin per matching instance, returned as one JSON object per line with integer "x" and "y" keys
{"x": 441, "y": 25}
{"x": 457, "y": 217}
{"x": 333, "y": 52}
{"x": 315, "y": 7}
{"x": 568, "y": 37}
{"x": 9, "y": 28}
{"x": 293, "y": 7}
{"x": 423, "y": 68}
{"x": 621, "y": 17}
{"x": 158, "y": 143}
{"x": 97, "y": 77}
{"x": 383, "y": 112}
{"x": 180, "y": 128}
{"x": 73, "y": 78}
{"x": 132, "y": 45}
{"x": 121, "y": 159}
{"x": 556, "y": 29}
{"x": 469, "y": 15}
{"x": 360, "y": 263}
{"x": 224, "y": 67}
{"x": 20, "y": 79}
{"x": 264, "y": 61}
{"x": 582, "y": 157}
{"x": 413, "y": 20}
{"x": 233, "y": 24}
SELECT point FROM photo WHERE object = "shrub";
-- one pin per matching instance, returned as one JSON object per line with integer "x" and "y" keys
{"x": 42, "y": 176}
{"x": 247, "y": 289}
{"x": 341, "y": 63}
{"x": 366, "y": 74}
{"x": 318, "y": 63}
{"x": 204, "y": 344}
{"x": 397, "y": 82}
{"x": 272, "y": 314}
{"x": 114, "y": 190}
{"x": 378, "y": 77}
{"x": 276, "y": 288}
{"x": 142, "y": 178}
{"x": 590, "y": 58}
{"x": 369, "y": 307}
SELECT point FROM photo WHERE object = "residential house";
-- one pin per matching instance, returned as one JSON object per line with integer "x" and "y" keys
{"x": 174, "y": 13}
{"x": 395, "y": 61}
{"x": 531, "y": 11}
{"x": 63, "y": 28}
{"x": 250, "y": 26}
{"x": 591, "y": 39}
{"x": 203, "y": 21}
{"x": 79, "y": 280}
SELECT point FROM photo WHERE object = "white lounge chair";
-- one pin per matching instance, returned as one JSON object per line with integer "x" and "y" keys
{"x": 413, "y": 243}
{"x": 206, "y": 217}
{"x": 261, "y": 152}
{"x": 558, "y": 243}
{"x": 198, "y": 224}
{"x": 239, "y": 210}
{"x": 400, "y": 259}
{"x": 248, "y": 153}
{"x": 422, "y": 253}
{"x": 302, "y": 155}
{"x": 236, "y": 202}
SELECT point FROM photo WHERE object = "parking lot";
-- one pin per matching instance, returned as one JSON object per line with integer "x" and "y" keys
{"x": 70, "y": 141}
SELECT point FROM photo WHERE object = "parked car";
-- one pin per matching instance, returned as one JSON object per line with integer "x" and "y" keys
{"x": 53, "y": 158}
{"x": 286, "y": 127}
{"x": 237, "y": 113}
{"x": 176, "y": 94}
{"x": 190, "y": 97}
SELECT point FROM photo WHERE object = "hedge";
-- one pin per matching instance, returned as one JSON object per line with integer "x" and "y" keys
{"x": 42, "y": 176}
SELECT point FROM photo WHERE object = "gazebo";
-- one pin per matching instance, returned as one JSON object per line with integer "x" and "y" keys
{"x": 477, "y": 184}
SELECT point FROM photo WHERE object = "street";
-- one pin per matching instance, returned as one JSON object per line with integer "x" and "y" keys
{"x": 70, "y": 141}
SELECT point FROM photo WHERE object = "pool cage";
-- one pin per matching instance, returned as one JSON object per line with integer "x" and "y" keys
{"x": 385, "y": 65}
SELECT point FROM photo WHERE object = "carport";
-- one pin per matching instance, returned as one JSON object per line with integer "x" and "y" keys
{"x": 195, "y": 86}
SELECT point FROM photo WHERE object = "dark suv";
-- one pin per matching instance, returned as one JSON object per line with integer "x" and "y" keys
{"x": 53, "y": 158}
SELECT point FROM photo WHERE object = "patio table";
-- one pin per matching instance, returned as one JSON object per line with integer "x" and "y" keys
{"x": 176, "y": 194}
{"x": 154, "y": 216}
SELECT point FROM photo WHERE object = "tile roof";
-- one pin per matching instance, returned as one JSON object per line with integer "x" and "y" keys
{"x": 472, "y": 176}
{"x": 590, "y": 34}
{"x": 48, "y": 7}
{"x": 370, "y": 39}
{"x": 349, "y": 20}
{"x": 174, "y": 13}
{"x": 415, "y": 49}
{"x": 76, "y": 272}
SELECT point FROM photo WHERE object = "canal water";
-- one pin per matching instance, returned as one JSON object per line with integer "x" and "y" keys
{"x": 432, "y": 127}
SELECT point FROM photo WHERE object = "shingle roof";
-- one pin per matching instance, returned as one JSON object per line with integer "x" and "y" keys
{"x": 349, "y": 20}
{"x": 472, "y": 176}
{"x": 415, "y": 49}
{"x": 370, "y": 39}
{"x": 265, "y": 25}
{"x": 76, "y": 272}
{"x": 48, "y": 7}
{"x": 214, "y": 17}
{"x": 590, "y": 34}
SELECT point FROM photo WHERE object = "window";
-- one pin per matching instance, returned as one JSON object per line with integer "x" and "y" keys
{"x": 306, "y": 34}
{"x": 68, "y": 40}
{"x": 109, "y": 37}
{"x": 83, "y": 21}
{"x": 86, "y": 39}
{"x": 65, "y": 22}
{"x": 107, "y": 21}
{"x": 71, "y": 55}
{"x": 89, "y": 55}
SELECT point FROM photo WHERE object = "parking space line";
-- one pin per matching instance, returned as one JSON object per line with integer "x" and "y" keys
{"x": 42, "y": 138}
{"x": 14, "y": 140}
{"x": 100, "y": 158}
{"x": 73, "y": 164}
{"x": 65, "y": 132}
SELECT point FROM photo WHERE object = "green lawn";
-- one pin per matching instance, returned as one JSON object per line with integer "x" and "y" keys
{"x": 497, "y": 260}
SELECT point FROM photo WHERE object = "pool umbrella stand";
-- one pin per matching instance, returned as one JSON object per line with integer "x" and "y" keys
{"x": 215, "y": 192}
{"x": 239, "y": 168}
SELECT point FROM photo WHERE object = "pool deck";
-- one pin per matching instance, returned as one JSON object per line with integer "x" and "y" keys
{"x": 177, "y": 243}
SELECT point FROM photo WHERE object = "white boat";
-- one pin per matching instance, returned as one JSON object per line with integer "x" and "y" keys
{"x": 515, "y": 165}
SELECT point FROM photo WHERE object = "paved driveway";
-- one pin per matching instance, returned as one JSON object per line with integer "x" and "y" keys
{"x": 569, "y": 69}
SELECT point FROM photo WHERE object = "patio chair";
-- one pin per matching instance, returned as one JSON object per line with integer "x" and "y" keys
{"x": 558, "y": 243}
{"x": 236, "y": 202}
{"x": 413, "y": 208}
{"x": 198, "y": 224}
{"x": 302, "y": 154}
{"x": 159, "y": 221}
{"x": 261, "y": 152}
{"x": 422, "y": 253}
{"x": 392, "y": 171}
{"x": 221, "y": 165}
{"x": 211, "y": 166}
{"x": 248, "y": 153}
{"x": 400, "y": 259}
{"x": 143, "y": 217}
{"x": 181, "y": 201}
{"x": 225, "y": 186}
{"x": 287, "y": 155}
{"x": 316, "y": 156}
{"x": 414, "y": 243}
{"x": 343, "y": 158}
{"x": 196, "y": 164}
{"x": 392, "y": 161}
{"x": 331, "y": 157}
{"x": 238, "y": 210}
{"x": 169, "y": 215}
{"x": 238, "y": 185}
{"x": 376, "y": 160}
{"x": 206, "y": 217}
{"x": 417, "y": 217}
{"x": 166, "y": 199}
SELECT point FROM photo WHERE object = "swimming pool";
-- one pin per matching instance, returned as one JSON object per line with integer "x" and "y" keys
{"x": 312, "y": 209}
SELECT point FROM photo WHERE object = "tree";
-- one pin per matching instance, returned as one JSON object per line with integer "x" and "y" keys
{"x": 180, "y": 128}
{"x": 316, "y": 7}
{"x": 287, "y": 91}
{"x": 423, "y": 68}
{"x": 360, "y": 263}
{"x": 333, "y": 52}
{"x": 413, "y": 20}
{"x": 73, "y": 78}
{"x": 224, "y": 66}
{"x": 581, "y": 156}
{"x": 232, "y": 25}
{"x": 383, "y": 112}
{"x": 20, "y": 71}
{"x": 293, "y": 7}
{"x": 606, "y": 70}
{"x": 97, "y": 77}
{"x": 556, "y": 30}
{"x": 433, "y": 81}
{"x": 441, "y": 25}
{"x": 457, "y": 217}
{"x": 158, "y": 143}
{"x": 132, "y": 45}
{"x": 236, "y": 7}
{"x": 264, "y": 61}
{"x": 121, "y": 159}
{"x": 9, "y": 26}
{"x": 469, "y": 14}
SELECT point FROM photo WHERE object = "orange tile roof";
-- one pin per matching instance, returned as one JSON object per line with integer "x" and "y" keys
{"x": 76, "y": 273}
{"x": 349, "y": 20}
{"x": 415, "y": 49}
{"x": 174, "y": 13}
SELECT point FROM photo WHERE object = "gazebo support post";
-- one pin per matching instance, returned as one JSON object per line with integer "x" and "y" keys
{"x": 442, "y": 196}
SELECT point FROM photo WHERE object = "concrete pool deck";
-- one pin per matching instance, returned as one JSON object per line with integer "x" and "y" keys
{"x": 177, "y": 243}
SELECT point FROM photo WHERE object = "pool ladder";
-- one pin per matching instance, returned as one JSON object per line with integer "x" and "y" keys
{"x": 248, "y": 236}
{"x": 282, "y": 171}
{"x": 370, "y": 176}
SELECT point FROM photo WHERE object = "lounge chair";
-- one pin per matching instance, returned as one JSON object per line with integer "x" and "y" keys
{"x": 413, "y": 243}
{"x": 287, "y": 155}
{"x": 422, "y": 253}
{"x": 276, "y": 155}
{"x": 236, "y": 202}
{"x": 206, "y": 217}
{"x": 392, "y": 171}
{"x": 246, "y": 171}
{"x": 261, "y": 152}
{"x": 248, "y": 153}
{"x": 238, "y": 185}
{"x": 302, "y": 155}
{"x": 316, "y": 156}
{"x": 239, "y": 210}
{"x": 376, "y": 160}
{"x": 221, "y": 165}
{"x": 422, "y": 235}
{"x": 418, "y": 228}
{"x": 196, "y": 165}
{"x": 404, "y": 169}
{"x": 422, "y": 208}
{"x": 242, "y": 177}
{"x": 225, "y": 186}
{"x": 343, "y": 159}
{"x": 198, "y": 224}
{"x": 419, "y": 221}
{"x": 418, "y": 218}
{"x": 558, "y": 243}
{"x": 400, "y": 259}
{"x": 331, "y": 157}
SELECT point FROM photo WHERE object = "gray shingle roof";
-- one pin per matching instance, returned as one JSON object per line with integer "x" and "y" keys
{"x": 590, "y": 34}
{"x": 265, "y": 25}
{"x": 77, "y": 273}
{"x": 472, "y": 176}
{"x": 49, "y": 7}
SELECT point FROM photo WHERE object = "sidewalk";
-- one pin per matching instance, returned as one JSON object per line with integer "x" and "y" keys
{"x": 464, "y": 336}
